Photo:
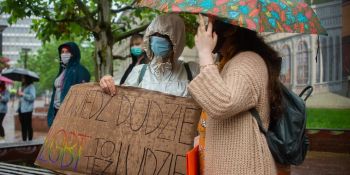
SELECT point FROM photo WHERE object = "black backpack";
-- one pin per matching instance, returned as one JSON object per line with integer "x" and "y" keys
{"x": 286, "y": 136}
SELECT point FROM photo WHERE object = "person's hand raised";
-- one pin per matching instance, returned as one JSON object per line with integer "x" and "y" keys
{"x": 205, "y": 40}
{"x": 107, "y": 85}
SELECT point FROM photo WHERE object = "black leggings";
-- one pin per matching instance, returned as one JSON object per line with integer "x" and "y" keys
{"x": 2, "y": 131}
{"x": 26, "y": 125}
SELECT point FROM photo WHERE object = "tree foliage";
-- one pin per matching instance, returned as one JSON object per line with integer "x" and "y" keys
{"x": 3, "y": 63}
{"x": 104, "y": 22}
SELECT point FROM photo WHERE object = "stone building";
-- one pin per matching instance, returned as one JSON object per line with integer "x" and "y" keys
{"x": 299, "y": 52}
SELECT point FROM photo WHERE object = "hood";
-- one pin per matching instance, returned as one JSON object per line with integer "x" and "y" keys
{"x": 75, "y": 51}
{"x": 171, "y": 25}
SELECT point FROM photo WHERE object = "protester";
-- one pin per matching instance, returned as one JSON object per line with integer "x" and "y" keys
{"x": 246, "y": 78}
{"x": 4, "y": 98}
{"x": 164, "y": 42}
{"x": 71, "y": 72}
{"x": 25, "y": 109}
{"x": 138, "y": 55}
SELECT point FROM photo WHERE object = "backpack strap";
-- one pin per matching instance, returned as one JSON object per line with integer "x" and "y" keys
{"x": 189, "y": 73}
{"x": 310, "y": 89}
{"x": 142, "y": 73}
{"x": 256, "y": 115}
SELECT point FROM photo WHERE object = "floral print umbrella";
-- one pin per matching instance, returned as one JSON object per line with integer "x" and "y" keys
{"x": 289, "y": 16}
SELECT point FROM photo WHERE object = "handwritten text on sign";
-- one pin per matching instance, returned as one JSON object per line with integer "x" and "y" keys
{"x": 134, "y": 132}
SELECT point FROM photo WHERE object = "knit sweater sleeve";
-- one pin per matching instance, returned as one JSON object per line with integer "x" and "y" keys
{"x": 233, "y": 92}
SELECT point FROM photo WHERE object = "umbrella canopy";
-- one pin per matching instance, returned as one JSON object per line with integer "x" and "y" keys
{"x": 289, "y": 16}
{"x": 6, "y": 80}
{"x": 16, "y": 74}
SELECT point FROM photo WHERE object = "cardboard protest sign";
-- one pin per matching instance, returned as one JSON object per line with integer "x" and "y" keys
{"x": 134, "y": 132}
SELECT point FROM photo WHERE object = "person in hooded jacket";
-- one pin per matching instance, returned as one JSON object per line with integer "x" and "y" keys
{"x": 164, "y": 42}
{"x": 71, "y": 72}
{"x": 137, "y": 54}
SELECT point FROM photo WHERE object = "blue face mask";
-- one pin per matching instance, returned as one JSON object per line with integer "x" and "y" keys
{"x": 136, "y": 50}
{"x": 160, "y": 46}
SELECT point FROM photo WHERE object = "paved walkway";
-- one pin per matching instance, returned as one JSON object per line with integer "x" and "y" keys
{"x": 323, "y": 163}
{"x": 328, "y": 100}
{"x": 9, "y": 122}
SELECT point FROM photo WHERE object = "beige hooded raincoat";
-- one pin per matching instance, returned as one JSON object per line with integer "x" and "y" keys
{"x": 165, "y": 77}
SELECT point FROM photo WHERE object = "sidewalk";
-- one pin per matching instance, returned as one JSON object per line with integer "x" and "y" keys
{"x": 323, "y": 163}
{"x": 328, "y": 100}
{"x": 9, "y": 122}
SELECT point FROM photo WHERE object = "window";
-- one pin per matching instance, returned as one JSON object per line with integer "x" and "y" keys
{"x": 318, "y": 68}
{"x": 330, "y": 59}
{"x": 324, "y": 60}
{"x": 318, "y": 62}
{"x": 337, "y": 59}
{"x": 285, "y": 75}
{"x": 303, "y": 64}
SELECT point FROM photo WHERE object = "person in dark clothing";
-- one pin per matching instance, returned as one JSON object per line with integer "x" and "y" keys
{"x": 26, "y": 105}
{"x": 137, "y": 53}
{"x": 71, "y": 72}
{"x": 26, "y": 123}
{"x": 4, "y": 98}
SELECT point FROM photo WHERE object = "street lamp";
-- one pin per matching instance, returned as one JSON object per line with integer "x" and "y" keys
{"x": 2, "y": 28}
{"x": 25, "y": 51}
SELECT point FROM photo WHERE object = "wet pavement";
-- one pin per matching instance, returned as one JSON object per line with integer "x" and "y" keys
{"x": 324, "y": 163}
{"x": 11, "y": 135}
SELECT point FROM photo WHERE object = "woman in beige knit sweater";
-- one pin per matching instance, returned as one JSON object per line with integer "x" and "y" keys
{"x": 246, "y": 79}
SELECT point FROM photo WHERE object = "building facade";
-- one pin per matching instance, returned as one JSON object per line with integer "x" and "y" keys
{"x": 346, "y": 42}
{"x": 18, "y": 36}
{"x": 311, "y": 59}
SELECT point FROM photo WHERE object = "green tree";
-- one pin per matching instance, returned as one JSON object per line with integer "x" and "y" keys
{"x": 46, "y": 62}
{"x": 3, "y": 63}
{"x": 86, "y": 18}
{"x": 106, "y": 21}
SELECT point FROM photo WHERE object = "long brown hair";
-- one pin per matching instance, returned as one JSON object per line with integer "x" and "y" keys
{"x": 134, "y": 38}
{"x": 26, "y": 81}
{"x": 240, "y": 40}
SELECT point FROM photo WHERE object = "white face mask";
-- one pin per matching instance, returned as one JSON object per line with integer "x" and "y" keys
{"x": 65, "y": 57}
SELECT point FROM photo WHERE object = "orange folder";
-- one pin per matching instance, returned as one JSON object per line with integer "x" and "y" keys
{"x": 192, "y": 161}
